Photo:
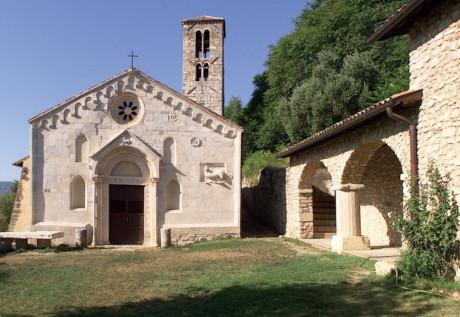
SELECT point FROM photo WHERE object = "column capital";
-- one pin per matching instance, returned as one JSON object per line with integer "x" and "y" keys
{"x": 153, "y": 180}
{"x": 349, "y": 187}
{"x": 98, "y": 179}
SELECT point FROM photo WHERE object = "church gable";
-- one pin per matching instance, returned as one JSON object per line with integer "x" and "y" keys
{"x": 100, "y": 97}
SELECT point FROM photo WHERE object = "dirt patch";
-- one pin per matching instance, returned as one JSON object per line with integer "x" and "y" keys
{"x": 302, "y": 249}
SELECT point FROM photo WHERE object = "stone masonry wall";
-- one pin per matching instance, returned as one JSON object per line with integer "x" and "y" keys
{"x": 210, "y": 93}
{"x": 265, "y": 203}
{"x": 21, "y": 216}
{"x": 435, "y": 67}
{"x": 335, "y": 155}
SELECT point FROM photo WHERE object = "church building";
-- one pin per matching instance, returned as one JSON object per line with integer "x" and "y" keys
{"x": 130, "y": 156}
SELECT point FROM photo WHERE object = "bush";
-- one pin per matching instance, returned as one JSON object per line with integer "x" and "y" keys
{"x": 429, "y": 227}
{"x": 257, "y": 161}
{"x": 6, "y": 207}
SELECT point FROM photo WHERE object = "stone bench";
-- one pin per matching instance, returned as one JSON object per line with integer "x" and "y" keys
{"x": 21, "y": 239}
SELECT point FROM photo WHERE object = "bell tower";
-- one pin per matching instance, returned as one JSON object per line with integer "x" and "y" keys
{"x": 203, "y": 61}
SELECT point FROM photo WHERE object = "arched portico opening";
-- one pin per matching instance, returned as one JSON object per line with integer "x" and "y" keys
{"x": 376, "y": 166}
{"x": 317, "y": 215}
{"x": 125, "y": 211}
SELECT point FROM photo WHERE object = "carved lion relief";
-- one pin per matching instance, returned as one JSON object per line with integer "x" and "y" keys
{"x": 215, "y": 173}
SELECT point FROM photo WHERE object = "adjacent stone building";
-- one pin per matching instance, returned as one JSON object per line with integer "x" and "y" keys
{"x": 131, "y": 156}
{"x": 347, "y": 181}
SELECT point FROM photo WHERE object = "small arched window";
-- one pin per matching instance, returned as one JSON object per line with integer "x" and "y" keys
{"x": 198, "y": 44}
{"x": 206, "y": 72}
{"x": 173, "y": 195}
{"x": 81, "y": 149}
{"x": 198, "y": 72}
{"x": 169, "y": 151}
{"x": 77, "y": 193}
{"x": 206, "y": 41}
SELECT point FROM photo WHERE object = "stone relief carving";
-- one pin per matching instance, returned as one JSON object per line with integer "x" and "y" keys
{"x": 127, "y": 140}
{"x": 196, "y": 142}
{"x": 215, "y": 173}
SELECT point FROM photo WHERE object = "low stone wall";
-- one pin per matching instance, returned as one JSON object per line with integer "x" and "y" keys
{"x": 265, "y": 203}
{"x": 184, "y": 236}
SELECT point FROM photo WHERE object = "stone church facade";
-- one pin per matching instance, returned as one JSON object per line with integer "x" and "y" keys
{"x": 345, "y": 182}
{"x": 131, "y": 156}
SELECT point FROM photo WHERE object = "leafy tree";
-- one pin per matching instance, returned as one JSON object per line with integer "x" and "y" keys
{"x": 340, "y": 27}
{"x": 429, "y": 228}
{"x": 335, "y": 90}
{"x": 234, "y": 110}
{"x": 6, "y": 206}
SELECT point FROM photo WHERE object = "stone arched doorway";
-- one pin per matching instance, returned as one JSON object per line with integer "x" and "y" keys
{"x": 376, "y": 167}
{"x": 317, "y": 214}
{"x": 125, "y": 198}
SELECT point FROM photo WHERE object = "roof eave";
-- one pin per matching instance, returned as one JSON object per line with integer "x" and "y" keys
{"x": 400, "y": 22}
{"x": 407, "y": 99}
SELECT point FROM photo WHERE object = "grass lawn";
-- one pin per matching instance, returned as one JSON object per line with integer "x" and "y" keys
{"x": 263, "y": 277}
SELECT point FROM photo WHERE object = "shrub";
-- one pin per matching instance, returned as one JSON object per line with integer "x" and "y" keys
{"x": 429, "y": 228}
{"x": 6, "y": 207}
{"x": 257, "y": 161}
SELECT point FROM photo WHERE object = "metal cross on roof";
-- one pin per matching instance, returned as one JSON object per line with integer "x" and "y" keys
{"x": 132, "y": 58}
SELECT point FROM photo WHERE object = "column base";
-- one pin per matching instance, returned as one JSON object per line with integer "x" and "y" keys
{"x": 340, "y": 244}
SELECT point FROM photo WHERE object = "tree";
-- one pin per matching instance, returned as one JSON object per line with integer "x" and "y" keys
{"x": 340, "y": 27}
{"x": 6, "y": 206}
{"x": 336, "y": 90}
{"x": 234, "y": 110}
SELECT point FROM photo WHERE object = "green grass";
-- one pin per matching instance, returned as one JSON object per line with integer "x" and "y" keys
{"x": 223, "y": 278}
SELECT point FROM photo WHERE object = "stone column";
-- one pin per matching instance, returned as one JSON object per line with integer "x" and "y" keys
{"x": 97, "y": 208}
{"x": 348, "y": 214}
{"x": 305, "y": 213}
{"x": 153, "y": 209}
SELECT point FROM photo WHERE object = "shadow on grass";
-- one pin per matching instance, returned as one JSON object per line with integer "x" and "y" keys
{"x": 298, "y": 300}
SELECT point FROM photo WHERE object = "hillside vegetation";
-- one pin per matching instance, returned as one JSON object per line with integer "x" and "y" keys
{"x": 322, "y": 72}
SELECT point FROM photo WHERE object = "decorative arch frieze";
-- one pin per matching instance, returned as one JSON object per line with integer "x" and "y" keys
{"x": 98, "y": 99}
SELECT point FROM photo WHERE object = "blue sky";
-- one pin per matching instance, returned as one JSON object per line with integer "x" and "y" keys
{"x": 51, "y": 50}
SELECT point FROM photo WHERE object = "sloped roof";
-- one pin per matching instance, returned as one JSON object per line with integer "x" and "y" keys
{"x": 205, "y": 19}
{"x": 202, "y": 18}
{"x": 403, "y": 19}
{"x": 146, "y": 77}
{"x": 404, "y": 99}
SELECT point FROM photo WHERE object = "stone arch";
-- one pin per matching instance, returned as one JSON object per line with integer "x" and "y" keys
{"x": 375, "y": 165}
{"x": 81, "y": 149}
{"x": 173, "y": 195}
{"x": 125, "y": 154}
{"x": 77, "y": 193}
{"x": 169, "y": 151}
{"x": 198, "y": 44}
{"x": 317, "y": 202}
{"x": 126, "y": 169}
{"x": 206, "y": 43}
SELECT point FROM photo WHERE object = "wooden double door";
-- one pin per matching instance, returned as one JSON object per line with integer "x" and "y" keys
{"x": 126, "y": 212}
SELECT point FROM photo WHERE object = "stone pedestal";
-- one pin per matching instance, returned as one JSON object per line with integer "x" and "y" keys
{"x": 348, "y": 235}
{"x": 165, "y": 237}
{"x": 80, "y": 238}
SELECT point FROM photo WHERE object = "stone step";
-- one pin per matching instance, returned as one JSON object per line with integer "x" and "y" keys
{"x": 324, "y": 222}
{"x": 324, "y": 228}
{"x": 323, "y": 217}
{"x": 324, "y": 210}
{"x": 323, "y": 235}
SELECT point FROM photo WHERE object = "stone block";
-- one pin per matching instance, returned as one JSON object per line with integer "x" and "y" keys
{"x": 340, "y": 244}
{"x": 383, "y": 268}
{"x": 81, "y": 237}
{"x": 165, "y": 237}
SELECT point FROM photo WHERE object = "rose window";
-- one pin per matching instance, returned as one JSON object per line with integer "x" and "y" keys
{"x": 127, "y": 110}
